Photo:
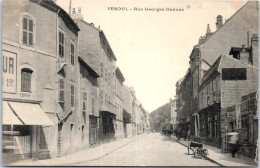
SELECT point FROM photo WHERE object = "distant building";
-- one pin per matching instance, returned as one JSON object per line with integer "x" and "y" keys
{"x": 128, "y": 111}
{"x": 173, "y": 114}
{"x": 119, "y": 104}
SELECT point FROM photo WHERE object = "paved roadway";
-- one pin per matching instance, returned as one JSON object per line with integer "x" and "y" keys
{"x": 151, "y": 150}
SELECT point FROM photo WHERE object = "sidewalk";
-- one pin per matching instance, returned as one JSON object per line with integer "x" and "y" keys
{"x": 223, "y": 159}
{"x": 81, "y": 156}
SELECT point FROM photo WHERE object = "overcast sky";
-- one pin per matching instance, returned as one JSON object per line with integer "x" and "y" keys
{"x": 152, "y": 47}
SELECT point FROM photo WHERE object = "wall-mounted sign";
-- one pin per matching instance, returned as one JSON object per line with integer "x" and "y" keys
{"x": 9, "y": 72}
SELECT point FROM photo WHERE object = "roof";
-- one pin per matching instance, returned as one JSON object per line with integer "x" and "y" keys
{"x": 92, "y": 72}
{"x": 222, "y": 62}
{"x": 120, "y": 75}
{"x": 244, "y": 19}
{"x": 179, "y": 81}
{"x": 102, "y": 37}
{"x": 227, "y": 20}
{"x": 109, "y": 51}
{"x": 195, "y": 52}
{"x": 50, "y": 5}
{"x": 212, "y": 70}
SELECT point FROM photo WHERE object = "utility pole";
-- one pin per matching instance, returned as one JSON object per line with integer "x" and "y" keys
{"x": 70, "y": 8}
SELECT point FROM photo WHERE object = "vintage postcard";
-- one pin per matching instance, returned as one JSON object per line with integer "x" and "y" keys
{"x": 130, "y": 83}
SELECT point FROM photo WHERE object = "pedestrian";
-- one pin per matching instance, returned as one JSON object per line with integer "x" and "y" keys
{"x": 188, "y": 135}
{"x": 233, "y": 142}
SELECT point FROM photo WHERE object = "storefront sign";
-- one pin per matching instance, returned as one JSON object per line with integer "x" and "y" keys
{"x": 9, "y": 73}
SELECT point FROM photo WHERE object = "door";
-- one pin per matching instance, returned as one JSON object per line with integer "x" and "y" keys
{"x": 71, "y": 137}
{"x": 93, "y": 131}
{"x": 59, "y": 143}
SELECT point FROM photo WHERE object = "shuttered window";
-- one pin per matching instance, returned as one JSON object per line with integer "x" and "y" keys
{"x": 61, "y": 90}
{"x": 26, "y": 79}
{"x": 72, "y": 53}
{"x": 72, "y": 93}
{"x": 61, "y": 44}
{"x": 27, "y": 31}
{"x": 84, "y": 102}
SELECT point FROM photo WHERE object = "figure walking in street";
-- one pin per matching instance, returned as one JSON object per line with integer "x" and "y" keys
{"x": 233, "y": 142}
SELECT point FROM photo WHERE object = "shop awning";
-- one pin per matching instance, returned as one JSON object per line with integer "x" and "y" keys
{"x": 29, "y": 113}
{"x": 8, "y": 117}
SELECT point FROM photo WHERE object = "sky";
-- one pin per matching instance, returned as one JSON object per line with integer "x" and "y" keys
{"x": 153, "y": 47}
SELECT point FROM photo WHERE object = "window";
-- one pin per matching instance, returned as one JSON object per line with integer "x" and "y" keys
{"x": 72, "y": 91}
{"x": 93, "y": 105}
{"x": 105, "y": 74}
{"x": 27, "y": 35}
{"x": 102, "y": 69}
{"x": 109, "y": 78}
{"x": 84, "y": 102}
{"x": 72, "y": 53}
{"x": 61, "y": 44}
{"x": 61, "y": 90}
{"x": 26, "y": 79}
{"x": 43, "y": 143}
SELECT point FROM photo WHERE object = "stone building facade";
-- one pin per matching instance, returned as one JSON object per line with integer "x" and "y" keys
{"x": 42, "y": 53}
{"x": 60, "y": 78}
{"x": 212, "y": 94}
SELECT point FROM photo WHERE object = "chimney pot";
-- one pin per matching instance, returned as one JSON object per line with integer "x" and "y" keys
{"x": 219, "y": 21}
{"x": 79, "y": 10}
{"x": 73, "y": 11}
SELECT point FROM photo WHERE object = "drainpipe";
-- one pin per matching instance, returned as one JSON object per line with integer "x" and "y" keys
{"x": 56, "y": 80}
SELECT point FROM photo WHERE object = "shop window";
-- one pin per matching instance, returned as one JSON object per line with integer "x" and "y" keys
{"x": 26, "y": 80}
{"x": 43, "y": 143}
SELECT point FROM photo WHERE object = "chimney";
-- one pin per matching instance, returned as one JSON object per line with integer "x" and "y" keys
{"x": 77, "y": 15}
{"x": 208, "y": 30}
{"x": 73, "y": 11}
{"x": 254, "y": 44}
{"x": 244, "y": 55}
{"x": 219, "y": 22}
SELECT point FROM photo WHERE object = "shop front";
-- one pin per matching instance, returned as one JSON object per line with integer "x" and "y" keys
{"x": 22, "y": 135}
{"x": 107, "y": 126}
{"x": 248, "y": 133}
{"x": 209, "y": 126}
